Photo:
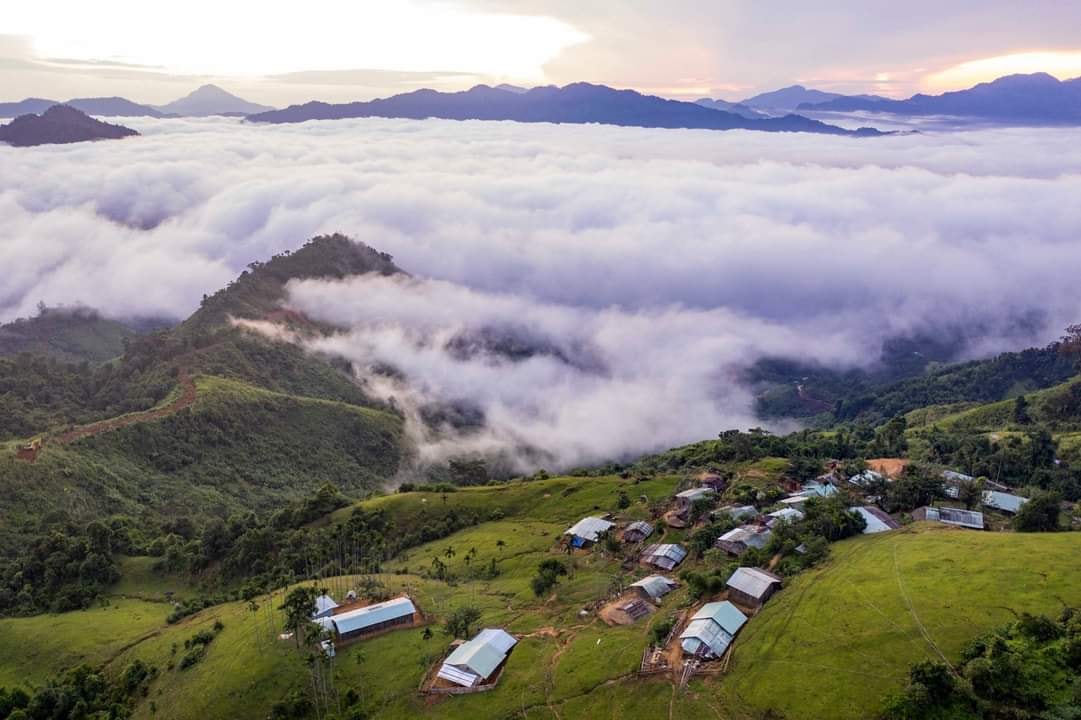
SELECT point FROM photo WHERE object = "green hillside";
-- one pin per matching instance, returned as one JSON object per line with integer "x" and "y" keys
{"x": 1056, "y": 410}
{"x": 830, "y": 645}
{"x": 237, "y": 448}
{"x": 1058, "y": 407}
{"x": 843, "y": 635}
{"x": 910, "y": 377}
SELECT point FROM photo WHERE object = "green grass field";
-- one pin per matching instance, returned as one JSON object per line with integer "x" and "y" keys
{"x": 37, "y": 647}
{"x": 836, "y": 640}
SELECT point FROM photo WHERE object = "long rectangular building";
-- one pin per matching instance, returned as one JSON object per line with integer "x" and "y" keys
{"x": 374, "y": 618}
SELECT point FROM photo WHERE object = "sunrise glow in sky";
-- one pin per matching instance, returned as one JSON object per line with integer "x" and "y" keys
{"x": 337, "y": 50}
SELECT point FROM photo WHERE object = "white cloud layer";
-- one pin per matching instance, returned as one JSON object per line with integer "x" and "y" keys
{"x": 670, "y": 258}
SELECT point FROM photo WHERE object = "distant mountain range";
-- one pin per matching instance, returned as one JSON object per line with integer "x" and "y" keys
{"x": 102, "y": 107}
{"x": 212, "y": 100}
{"x": 205, "y": 101}
{"x": 1038, "y": 98}
{"x": 1026, "y": 99}
{"x": 788, "y": 98}
{"x": 59, "y": 124}
{"x": 732, "y": 107}
{"x": 576, "y": 103}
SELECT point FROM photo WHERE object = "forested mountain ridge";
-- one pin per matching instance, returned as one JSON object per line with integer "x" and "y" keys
{"x": 68, "y": 334}
{"x": 902, "y": 384}
{"x": 264, "y": 421}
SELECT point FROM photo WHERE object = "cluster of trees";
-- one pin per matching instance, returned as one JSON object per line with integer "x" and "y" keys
{"x": 548, "y": 573}
{"x": 1015, "y": 460}
{"x": 64, "y": 569}
{"x": 977, "y": 381}
{"x": 1030, "y": 668}
{"x": 83, "y": 692}
{"x": 807, "y": 448}
{"x": 68, "y": 566}
{"x": 284, "y": 547}
{"x": 39, "y": 392}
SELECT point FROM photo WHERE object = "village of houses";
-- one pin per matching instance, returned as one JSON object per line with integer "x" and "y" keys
{"x": 701, "y": 640}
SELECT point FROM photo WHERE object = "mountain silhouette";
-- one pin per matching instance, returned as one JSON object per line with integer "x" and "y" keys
{"x": 212, "y": 100}
{"x": 575, "y": 103}
{"x": 102, "y": 107}
{"x": 1038, "y": 98}
{"x": 57, "y": 125}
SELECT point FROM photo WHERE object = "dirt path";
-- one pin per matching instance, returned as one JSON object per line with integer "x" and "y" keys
{"x": 912, "y": 610}
{"x": 184, "y": 400}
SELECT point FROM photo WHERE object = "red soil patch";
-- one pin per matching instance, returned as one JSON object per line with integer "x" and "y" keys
{"x": 890, "y": 467}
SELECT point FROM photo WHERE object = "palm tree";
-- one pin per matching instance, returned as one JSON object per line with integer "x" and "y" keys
{"x": 449, "y": 552}
{"x": 500, "y": 543}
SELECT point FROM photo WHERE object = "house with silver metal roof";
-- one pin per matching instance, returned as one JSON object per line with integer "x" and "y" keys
{"x": 324, "y": 606}
{"x": 788, "y": 515}
{"x": 685, "y": 499}
{"x": 654, "y": 587}
{"x": 665, "y": 556}
{"x": 374, "y": 618}
{"x": 637, "y": 531}
{"x": 818, "y": 489}
{"x": 587, "y": 531}
{"x": 1004, "y": 502}
{"x": 712, "y": 630}
{"x": 877, "y": 520}
{"x": 752, "y": 586}
{"x": 737, "y": 512}
{"x": 951, "y": 516}
{"x": 865, "y": 478}
{"x": 475, "y": 661}
{"x": 736, "y": 542}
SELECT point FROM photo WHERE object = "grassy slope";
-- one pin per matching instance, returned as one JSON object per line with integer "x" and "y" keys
{"x": 840, "y": 637}
{"x": 990, "y": 416}
{"x": 35, "y": 648}
{"x": 560, "y": 672}
{"x": 238, "y": 447}
{"x": 829, "y": 646}
{"x": 997, "y": 417}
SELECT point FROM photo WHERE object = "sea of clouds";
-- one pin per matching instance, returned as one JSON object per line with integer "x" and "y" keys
{"x": 653, "y": 265}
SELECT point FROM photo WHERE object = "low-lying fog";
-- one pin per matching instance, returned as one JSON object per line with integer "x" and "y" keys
{"x": 645, "y": 266}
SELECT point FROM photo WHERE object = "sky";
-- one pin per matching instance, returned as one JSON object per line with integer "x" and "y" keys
{"x": 339, "y": 50}
{"x": 646, "y": 268}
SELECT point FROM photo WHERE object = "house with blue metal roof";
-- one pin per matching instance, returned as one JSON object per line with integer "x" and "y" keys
{"x": 374, "y": 618}
{"x": 712, "y": 629}
{"x": 475, "y": 661}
